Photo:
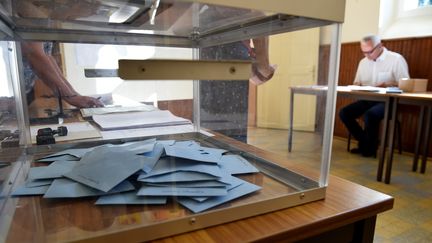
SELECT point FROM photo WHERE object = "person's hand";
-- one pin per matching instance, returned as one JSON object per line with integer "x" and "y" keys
{"x": 83, "y": 101}
{"x": 262, "y": 75}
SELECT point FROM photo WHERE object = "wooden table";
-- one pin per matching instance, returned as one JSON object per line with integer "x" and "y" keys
{"x": 347, "y": 214}
{"x": 387, "y": 99}
{"x": 424, "y": 100}
{"x": 391, "y": 100}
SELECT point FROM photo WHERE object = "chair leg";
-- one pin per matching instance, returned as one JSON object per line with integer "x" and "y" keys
{"x": 349, "y": 142}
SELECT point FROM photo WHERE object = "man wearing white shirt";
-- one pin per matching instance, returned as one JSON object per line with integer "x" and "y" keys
{"x": 381, "y": 68}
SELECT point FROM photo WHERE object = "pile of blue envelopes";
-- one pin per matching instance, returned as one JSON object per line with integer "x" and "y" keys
{"x": 143, "y": 172}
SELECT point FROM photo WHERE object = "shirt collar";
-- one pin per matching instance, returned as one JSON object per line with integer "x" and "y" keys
{"x": 383, "y": 55}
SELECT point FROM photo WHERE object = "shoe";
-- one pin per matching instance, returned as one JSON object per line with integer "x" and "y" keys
{"x": 369, "y": 153}
{"x": 355, "y": 151}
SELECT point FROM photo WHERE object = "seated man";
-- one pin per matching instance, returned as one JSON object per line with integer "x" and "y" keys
{"x": 381, "y": 68}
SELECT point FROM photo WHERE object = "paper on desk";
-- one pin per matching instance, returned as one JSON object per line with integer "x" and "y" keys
{"x": 179, "y": 176}
{"x": 36, "y": 183}
{"x": 236, "y": 164}
{"x": 30, "y": 191}
{"x": 55, "y": 170}
{"x": 88, "y": 112}
{"x": 65, "y": 188}
{"x": 181, "y": 191}
{"x": 65, "y": 157}
{"x": 366, "y": 88}
{"x": 236, "y": 192}
{"x": 203, "y": 154}
{"x": 105, "y": 167}
{"x": 129, "y": 120}
{"x": 76, "y": 131}
{"x": 169, "y": 164}
{"x": 129, "y": 198}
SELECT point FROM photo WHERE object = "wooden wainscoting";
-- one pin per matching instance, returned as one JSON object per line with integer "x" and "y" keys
{"x": 417, "y": 52}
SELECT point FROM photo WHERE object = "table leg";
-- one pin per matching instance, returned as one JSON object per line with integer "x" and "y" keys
{"x": 291, "y": 119}
{"x": 381, "y": 152}
{"x": 418, "y": 138}
{"x": 426, "y": 140}
{"x": 391, "y": 143}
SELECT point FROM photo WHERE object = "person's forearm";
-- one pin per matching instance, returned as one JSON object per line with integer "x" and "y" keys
{"x": 261, "y": 45}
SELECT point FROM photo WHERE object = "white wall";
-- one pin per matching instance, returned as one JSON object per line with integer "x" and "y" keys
{"x": 382, "y": 17}
{"x": 81, "y": 56}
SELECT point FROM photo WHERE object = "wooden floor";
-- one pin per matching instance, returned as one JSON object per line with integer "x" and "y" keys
{"x": 411, "y": 218}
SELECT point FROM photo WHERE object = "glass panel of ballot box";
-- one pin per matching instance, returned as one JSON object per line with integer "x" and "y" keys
{"x": 139, "y": 120}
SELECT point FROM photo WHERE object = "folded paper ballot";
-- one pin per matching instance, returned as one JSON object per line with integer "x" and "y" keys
{"x": 66, "y": 157}
{"x": 178, "y": 176}
{"x": 130, "y": 120}
{"x": 170, "y": 164}
{"x": 198, "y": 177}
{"x": 235, "y": 164}
{"x": 65, "y": 188}
{"x": 129, "y": 198}
{"x": 36, "y": 183}
{"x": 191, "y": 184}
{"x": 196, "y": 206}
{"x": 55, "y": 170}
{"x": 181, "y": 191}
{"x": 30, "y": 191}
{"x": 231, "y": 182}
{"x": 77, "y": 153}
{"x": 105, "y": 167}
{"x": 202, "y": 154}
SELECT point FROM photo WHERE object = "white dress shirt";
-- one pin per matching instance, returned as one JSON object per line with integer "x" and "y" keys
{"x": 389, "y": 66}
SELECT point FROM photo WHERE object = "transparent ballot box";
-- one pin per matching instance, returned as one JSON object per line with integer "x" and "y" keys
{"x": 138, "y": 120}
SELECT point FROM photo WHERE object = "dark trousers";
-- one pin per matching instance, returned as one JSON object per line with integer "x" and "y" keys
{"x": 373, "y": 113}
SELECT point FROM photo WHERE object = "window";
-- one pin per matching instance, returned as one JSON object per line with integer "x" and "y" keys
{"x": 422, "y": 3}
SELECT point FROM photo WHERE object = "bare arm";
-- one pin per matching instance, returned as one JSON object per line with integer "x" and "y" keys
{"x": 48, "y": 71}
{"x": 262, "y": 70}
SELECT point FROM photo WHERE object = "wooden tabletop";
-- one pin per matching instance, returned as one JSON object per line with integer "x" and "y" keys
{"x": 345, "y": 203}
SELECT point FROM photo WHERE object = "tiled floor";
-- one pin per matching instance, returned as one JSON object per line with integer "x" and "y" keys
{"x": 411, "y": 218}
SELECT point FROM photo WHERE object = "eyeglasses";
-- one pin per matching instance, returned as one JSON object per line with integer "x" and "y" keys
{"x": 371, "y": 51}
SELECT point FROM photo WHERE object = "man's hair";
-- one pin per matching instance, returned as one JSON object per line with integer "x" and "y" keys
{"x": 372, "y": 38}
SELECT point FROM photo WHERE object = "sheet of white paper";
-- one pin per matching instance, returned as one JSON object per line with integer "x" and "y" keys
{"x": 88, "y": 112}
{"x": 105, "y": 167}
{"x": 36, "y": 183}
{"x": 145, "y": 132}
{"x": 55, "y": 170}
{"x": 30, "y": 191}
{"x": 65, "y": 188}
{"x": 129, "y": 198}
{"x": 76, "y": 131}
{"x": 202, "y": 154}
{"x": 128, "y": 120}
{"x": 236, "y": 164}
{"x": 196, "y": 207}
{"x": 169, "y": 164}
{"x": 179, "y": 176}
{"x": 181, "y": 191}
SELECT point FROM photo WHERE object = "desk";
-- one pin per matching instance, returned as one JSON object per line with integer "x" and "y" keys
{"x": 424, "y": 100}
{"x": 361, "y": 95}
